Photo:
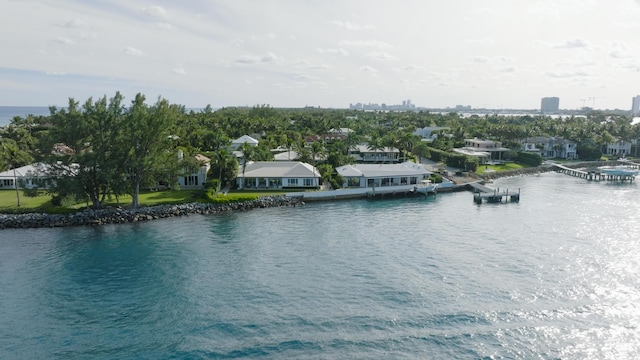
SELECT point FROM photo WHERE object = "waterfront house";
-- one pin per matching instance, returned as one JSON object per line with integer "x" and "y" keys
{"x": 363, "y": 153}
{"x": 485, "y": 150}
{"x": 29, "y": 177}
{"x": 196, "y": 178}
{"x": 382, "y": 175}
{"x": 551, "y": 147}
{"x": 618, "y": 148}
{"x": 278, "y": 175}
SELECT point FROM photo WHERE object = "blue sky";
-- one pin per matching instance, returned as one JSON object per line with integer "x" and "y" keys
{"x": 290, "y": 53}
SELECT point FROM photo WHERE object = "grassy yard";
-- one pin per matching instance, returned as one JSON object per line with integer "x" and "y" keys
{"x": 9, "y": 202}
{"x": 42, "y": 203}
{"x": 500, "y": 167}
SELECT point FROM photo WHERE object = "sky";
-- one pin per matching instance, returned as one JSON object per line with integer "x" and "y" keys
{"x": 498, "y": 54}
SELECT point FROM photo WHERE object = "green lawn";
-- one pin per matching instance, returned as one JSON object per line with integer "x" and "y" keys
{"x": 9, "y": 202}
{"x": 42, "y": 203}
{"x": 501, "y": 167}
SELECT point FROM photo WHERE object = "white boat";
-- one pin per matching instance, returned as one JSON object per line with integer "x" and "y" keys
{"x": 425, "y": 187}
{"x": 619, "y": 170}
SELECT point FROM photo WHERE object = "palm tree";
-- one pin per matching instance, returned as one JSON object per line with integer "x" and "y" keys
{"x": 247, "y": 155}
{"x": 14, "y": 157}
{"x": 223, "y": 162}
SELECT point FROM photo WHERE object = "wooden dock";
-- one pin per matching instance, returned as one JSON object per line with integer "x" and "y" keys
{"x": 484, "y": 193}
{"x": 595, "y": 174}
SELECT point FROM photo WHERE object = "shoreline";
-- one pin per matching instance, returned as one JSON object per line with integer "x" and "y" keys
{"x": 119, "y": 215}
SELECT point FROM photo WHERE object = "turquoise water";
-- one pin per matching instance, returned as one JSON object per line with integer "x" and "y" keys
{"x": 554, "y": 276}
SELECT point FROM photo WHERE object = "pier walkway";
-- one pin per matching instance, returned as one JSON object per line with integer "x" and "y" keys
{"x": 597, "y": 174}
{"x": 482, "y": 192}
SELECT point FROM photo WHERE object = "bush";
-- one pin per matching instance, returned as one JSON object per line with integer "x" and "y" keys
{"x": 31, "y": 192}
{"x": 435, "y": 178}
{"x": 527, "y": 158}
{"x": 438, "y": 155}
{"x": 215, "y": 198}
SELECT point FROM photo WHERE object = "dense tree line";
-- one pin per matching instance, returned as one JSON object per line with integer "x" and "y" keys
{"x": 114, "y": 148}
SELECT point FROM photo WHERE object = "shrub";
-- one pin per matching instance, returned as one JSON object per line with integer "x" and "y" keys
{"x": 528, "y": 158}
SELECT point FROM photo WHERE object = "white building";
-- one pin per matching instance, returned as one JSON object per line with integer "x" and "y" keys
{"x": 198, "y": 178}
{"x": 382, "y": 175}
{"x": 484, "y": 150}
{"x": 635, "y": 106}
{"x": 362, "y": 153}
{"x": 551, "y": 147}
{"x": 618, "y": 148}
{"x": 28, "y": 177}
{"x": 278, "y": 175}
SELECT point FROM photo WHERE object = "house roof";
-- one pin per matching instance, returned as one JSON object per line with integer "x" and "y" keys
{"x": 245, "y": 139}
{"x": 37, "y": 169}
{"x": 365, "y": 149}
{"x": 279, "y": 169}
{"x": 202, "y": 158}
{"x": 286, "y": 156}
{"x": 380, "y": 170}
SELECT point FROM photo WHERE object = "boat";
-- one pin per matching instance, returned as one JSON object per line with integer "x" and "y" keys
{"x": 619, "y": 170}
{"x": 425, "y": 187}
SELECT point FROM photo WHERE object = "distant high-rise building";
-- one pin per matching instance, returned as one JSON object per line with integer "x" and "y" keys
{"x": 550, "y": 104}
{"x": 635, "y": 106}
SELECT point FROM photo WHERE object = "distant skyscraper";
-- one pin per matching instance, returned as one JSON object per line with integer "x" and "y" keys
{"x": 635, "y": 106}
{"x": 550, "y": 104}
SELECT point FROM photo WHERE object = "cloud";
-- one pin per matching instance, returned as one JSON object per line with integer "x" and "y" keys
{"x": 252, "y": 59}
{"x": 480, "y": 59}
{"x": 180, "y": 71}
{"x": 72, "y": 24}
{"x": 338, "y": 51}
{"x": 368, "y": 69}
{"x": 165, "y": 26}
{"x": 367, "y": 43}
{"x": 484, "y": 41}
{"x": 133, "y": 51}
{"x": 351, "y": 26}
{"x": 156, "y": 12}
{"x": 64, "y": 41}
{"x": 382, "y": 55}
{"x": 508, "y": 69}
{"x": 568, "y": 74}
{"x": 575, "y": 43}
{"x": 55, "y": 73}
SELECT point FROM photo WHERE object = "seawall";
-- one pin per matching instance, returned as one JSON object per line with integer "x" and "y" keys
{"x": 120, "y": 215}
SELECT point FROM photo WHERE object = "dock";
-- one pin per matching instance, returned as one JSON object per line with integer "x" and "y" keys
{"x": 595, "y": 174}
{"x": 484, "y": 193}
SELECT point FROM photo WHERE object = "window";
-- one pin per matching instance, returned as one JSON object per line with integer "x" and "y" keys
{"x": 354, "y": 182}
{"x": 307, "y": 182}
{"x": 403, "y": 180}
{"x": 414, "y": 180}
{"x": 191, "y": 180}
{"x": 293, "y": 182}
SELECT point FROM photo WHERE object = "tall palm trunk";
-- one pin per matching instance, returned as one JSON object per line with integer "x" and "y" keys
{"x": 15, "y": 184}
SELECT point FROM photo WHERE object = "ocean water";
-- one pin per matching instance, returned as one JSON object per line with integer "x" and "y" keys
{"x": 555, "y": 276}
{"x": 9, "y": 112}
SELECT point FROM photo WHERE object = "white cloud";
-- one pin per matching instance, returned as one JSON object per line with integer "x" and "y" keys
{"x": 254, "y": 59}
{"x": 368, "y": 69}
{"x": 367, "y": 43}
{"x": 334, "y": 51}
{"x": 569, "y": 74}
{"x": 382, "y": 55}
{"x": 351, "y": 26}
{"x": 129, "y": 50}
{"x": 575, "y": 43}
{"x": 480, "y": 59}
{"x": 156, "y": 12}
{"x": 64, "y": 40}
{"x": 180, "y": 71}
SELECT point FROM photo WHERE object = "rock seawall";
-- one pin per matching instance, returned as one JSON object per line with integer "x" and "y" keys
{"x": 124, "y": 215}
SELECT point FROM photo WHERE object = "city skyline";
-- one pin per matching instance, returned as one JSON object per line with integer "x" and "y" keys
{"x": 490, "y": 54}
